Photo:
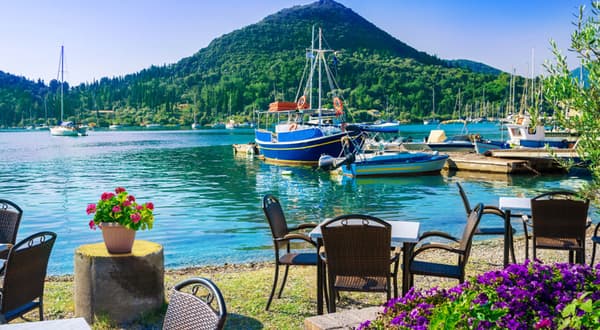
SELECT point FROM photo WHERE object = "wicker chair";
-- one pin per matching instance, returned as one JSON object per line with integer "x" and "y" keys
{"x": 10, "y": 218}
{"x": 487, "y": 209}
{"x": 282, "y": 238}
{"x": 196, "y": 303}
{"x": 462, "y": 250}
{"x": 25, "y": 272}
{"x": 357, "y": 255}
{"x": 559, "y": 221}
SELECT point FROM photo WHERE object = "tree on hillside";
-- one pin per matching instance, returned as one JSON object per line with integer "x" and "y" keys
{"x": 577, "y": 106}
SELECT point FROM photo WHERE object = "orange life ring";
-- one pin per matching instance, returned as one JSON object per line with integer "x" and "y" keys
{"x": 301, "y": 102}
{"x": 338, "y": 105}
{"x": 293, "y": 126}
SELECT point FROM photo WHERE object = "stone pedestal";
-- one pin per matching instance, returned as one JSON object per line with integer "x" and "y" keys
{"x": 120, "y": 286}
{"x": 349, "y": 319}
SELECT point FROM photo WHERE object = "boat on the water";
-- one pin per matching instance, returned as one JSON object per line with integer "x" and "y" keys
{"x": 65, "y": 128}
{"x": 521, "y": 134}
{"x": 386, "y": 163}
{"x": 382, "y": 127}
{"x": 295, "y": 142}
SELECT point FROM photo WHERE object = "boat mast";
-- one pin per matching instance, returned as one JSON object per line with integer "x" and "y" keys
{"x": 320, "y": 61}
{"x": 62, "y": 79}
{"x": 312, "y": 60}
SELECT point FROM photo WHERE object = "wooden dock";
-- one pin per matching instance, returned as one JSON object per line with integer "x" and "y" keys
{"x": 480, "y": 163}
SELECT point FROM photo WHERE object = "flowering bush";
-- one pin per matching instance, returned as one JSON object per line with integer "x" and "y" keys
{"x": 122, "y": 208}
{"x": 522, "y": 296}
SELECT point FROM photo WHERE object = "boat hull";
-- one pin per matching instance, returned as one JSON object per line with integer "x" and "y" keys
{"x": 411, "y": 164}
{"x": 65, "y": 131}
{"x": 452, "y": 146}
{"x": 301, "y": 148}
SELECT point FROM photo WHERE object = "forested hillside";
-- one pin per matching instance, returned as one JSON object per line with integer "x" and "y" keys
{"x": 248, "y": 68}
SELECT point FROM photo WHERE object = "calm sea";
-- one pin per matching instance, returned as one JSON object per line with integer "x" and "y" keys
{"x": 208, "y": 201}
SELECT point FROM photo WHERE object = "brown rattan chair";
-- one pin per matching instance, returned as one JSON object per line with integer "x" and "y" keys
{"x": 462, "y": 249}
{"x": 196, "y": 303}
{"x": 488, "y": 209}
{"x": 282, "y": 238}
{"x": 559, "y": 221}
{"x": 24, "y": 276}
{"x": 10, "y": 218}
{"x": 357, "y": 255}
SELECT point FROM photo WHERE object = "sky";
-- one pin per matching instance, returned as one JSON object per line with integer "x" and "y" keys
{"x": 108, "y": 38}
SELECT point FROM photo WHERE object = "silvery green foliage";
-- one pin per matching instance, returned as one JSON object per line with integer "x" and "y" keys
{"x": 577, "y": 105}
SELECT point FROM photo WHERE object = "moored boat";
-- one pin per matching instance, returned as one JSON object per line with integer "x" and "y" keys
{"x": 392, "y": 164}
{"x": 65, "y": 128}
{"x": 295, "y": 142}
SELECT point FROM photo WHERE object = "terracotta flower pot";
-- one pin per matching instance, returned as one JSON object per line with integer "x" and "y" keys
{"x": 118, "y": 239}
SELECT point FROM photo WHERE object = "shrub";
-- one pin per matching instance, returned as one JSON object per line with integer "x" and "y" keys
{"x": 521, "y": 296}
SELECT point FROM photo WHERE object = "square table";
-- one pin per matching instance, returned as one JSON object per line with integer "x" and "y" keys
{"x": 78, "y": 323}
{"x": 403, "y": 232}
{"x": 509, "y": 204}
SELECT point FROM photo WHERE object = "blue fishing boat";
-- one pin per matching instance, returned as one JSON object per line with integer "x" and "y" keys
{"x": 386, "y": 163}
{"x": 302, "y": 133}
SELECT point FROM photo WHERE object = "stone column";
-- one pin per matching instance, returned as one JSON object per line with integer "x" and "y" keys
{"x": 120, "y": 286}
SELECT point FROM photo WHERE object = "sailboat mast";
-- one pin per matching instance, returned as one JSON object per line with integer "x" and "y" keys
{"x": 312, "y": 60}
{"x": 320, "y": 62}
{"x": 62, "y": 79}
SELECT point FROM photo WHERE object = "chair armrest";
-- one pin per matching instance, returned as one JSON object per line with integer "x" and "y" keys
{"x": 490, "y": 209}
{"x": 432, "y": 246}
{"x": 302, "y": 237}
{"x": 435, "y": 233}
{"x": 303, "y": 226}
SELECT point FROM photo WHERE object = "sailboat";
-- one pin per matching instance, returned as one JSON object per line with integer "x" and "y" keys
{"x": 65, "y": 128}
{"x": 294, "y": 141}
{"x": 433, "y": 120}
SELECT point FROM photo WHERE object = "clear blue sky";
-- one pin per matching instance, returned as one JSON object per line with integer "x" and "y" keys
{"x": 107, "y": 38}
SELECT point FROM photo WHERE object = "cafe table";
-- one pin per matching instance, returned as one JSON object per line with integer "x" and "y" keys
{"x": 63, "y": 324}
{"x": 405, "y": 233}
{"x": 512, "y": 207}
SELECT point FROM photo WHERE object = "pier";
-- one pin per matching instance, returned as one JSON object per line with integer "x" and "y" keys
{"x": 481, "y": 163}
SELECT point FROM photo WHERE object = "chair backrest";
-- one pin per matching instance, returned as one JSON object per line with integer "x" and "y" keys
{"x": 10, "y": 218}
{"x": 464, "y": 197}
{"x": 196, "y": 303}
{"x": 275, "y": 216}
{"x": 467, "y": 237}
{"x": 357, "y": 245}
{"x": 25, "y": 270}
{"x": 559, "y": 214}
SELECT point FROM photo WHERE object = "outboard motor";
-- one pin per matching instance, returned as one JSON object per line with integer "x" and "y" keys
{"x": 329, "y": 163}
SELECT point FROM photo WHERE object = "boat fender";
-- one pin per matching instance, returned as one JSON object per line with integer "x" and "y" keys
{"x": 338, "y": 105}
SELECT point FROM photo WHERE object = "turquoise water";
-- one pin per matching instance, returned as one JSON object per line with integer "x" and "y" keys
{"x": 208, "y": 202}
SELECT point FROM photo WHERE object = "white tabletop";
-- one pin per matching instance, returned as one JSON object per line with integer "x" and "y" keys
{"x": 515, "y": 203}
{"x": 78, "y": 323}
{"x": 402, "y": 231}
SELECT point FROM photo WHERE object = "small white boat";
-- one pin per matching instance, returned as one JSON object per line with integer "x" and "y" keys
{"x": 196, "y": 126}
{"x": 66, "y": 128}
{"x": 115, "y": 126}
{"x": 153, "y": 126}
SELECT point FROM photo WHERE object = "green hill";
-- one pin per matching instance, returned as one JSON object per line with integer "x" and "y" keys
{"x": 473, "y": 66}
{"x": 248, "y": 68}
